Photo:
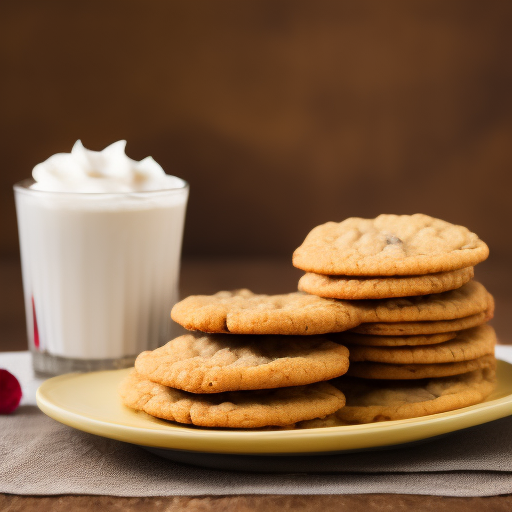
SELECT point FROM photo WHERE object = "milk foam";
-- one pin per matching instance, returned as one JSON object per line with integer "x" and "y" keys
{"x": 109, "y": 170}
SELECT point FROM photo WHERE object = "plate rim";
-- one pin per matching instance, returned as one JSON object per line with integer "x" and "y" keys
{"x": 277, "y": 442}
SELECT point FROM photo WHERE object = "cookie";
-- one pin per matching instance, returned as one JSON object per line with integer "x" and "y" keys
{"x": 355, "y": 288}
{"x": 371, "y": 401}
{"x": 469, "y": 344}
{"x": 470, "y": 299}
{"x": 369, "y": 340}
{"x": 418, "y": 371}
{"x": 237, "y": 409}
{"x": 213, "y": 363}
{"x": 417, "y": 328}
{"x": 389, "y": 245}
{"x": 243, "y": 312}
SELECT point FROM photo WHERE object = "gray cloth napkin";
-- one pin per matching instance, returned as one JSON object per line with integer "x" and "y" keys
{"x": 41, "y": 456}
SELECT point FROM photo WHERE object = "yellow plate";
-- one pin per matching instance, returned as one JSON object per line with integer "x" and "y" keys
{"x": 89, "y": 402}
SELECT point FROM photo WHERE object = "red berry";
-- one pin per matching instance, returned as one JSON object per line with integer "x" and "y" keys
{"x": 10, "y": 392}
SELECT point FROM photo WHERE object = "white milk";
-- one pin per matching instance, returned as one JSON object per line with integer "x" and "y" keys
{"x": 100, "y": 270}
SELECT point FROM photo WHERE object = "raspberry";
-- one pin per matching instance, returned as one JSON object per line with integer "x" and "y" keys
{"x": 10, "y": 392}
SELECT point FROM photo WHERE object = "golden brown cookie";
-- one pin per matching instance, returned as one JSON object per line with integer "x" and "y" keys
{"x": 389, "y": 245}
{"x": 470, "y": 299}
{"x": 424, "y": 328}
{"x": 356, "y": 288}
{"x": 237, "y": 409}
{"x": 212, "y": 363}
{"x": 469, "y": 344}
{"x": 369, "y": 340}
{"x": 243, "y": 312}
{"x": 418, "y": 371}
{"x": 371, "y": 401}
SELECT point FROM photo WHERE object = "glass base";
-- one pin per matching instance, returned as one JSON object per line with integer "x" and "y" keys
{"x": 45, "y": 365}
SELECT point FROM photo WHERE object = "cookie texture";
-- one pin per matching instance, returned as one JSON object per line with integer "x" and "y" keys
{"x": 213, "y": 363}
{"x": 356, "y": 288}
{"x": 470, "y": 299}
{"x": 386, "y": 371}
{"x": 469, "y": 344}
{"x": 370, "y": 401}
{"x": 243, "y": 312}
{"x": 369, "y": 340}
{"x": 425, "y": 328}
{"x": 238, "y": 409}
{"x": 389, "y": 245}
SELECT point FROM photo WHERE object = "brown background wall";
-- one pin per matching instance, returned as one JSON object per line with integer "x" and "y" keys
{"x": 281, "y": 114}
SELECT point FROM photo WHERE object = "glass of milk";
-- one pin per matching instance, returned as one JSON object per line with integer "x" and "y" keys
{"x": 100, "y": 238}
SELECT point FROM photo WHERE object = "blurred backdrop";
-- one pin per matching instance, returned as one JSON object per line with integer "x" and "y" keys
{"x": 282, "y": 114}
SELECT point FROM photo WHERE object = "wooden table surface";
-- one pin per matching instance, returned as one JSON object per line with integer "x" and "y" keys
{"x": 263, "y": 276}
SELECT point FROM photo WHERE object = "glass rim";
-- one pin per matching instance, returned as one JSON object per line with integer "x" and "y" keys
{"x": 23, "y": 187}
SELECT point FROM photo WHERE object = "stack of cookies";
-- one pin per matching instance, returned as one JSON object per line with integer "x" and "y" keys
{"x": 396, "y": 290}
{"x": 221, "y": 380}
{"x": 424, "y": 345}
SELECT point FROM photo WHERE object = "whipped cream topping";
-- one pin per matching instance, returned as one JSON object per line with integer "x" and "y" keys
{"x": 109, "y": 170}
